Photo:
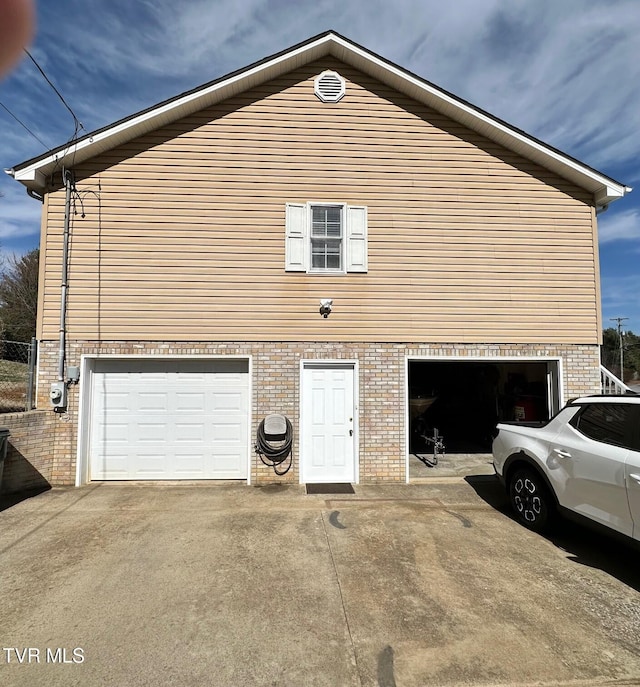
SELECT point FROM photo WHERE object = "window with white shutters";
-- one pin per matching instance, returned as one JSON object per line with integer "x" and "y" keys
{"x": 326, "y": 237}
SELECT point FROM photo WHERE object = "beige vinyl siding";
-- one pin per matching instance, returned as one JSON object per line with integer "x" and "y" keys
{"x": 468, "y": 242}
{"x": 44, "y": 279}
{"x": 596, "y": 256}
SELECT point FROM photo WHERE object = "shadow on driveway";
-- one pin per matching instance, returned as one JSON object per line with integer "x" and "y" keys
{"x": 584, "y": 545}
{"x": 9, "y": 500}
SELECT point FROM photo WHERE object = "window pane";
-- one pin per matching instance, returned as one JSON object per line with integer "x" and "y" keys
{"x": 326, "y": 237}
{"x": 326, "y": 220}
{"x": 606, "y": 423}
{"x": 326, "y": 254}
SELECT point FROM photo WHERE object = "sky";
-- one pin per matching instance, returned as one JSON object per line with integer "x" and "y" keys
{"x": 565, "y": 72}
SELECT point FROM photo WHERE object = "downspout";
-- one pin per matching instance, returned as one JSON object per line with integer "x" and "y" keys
{"x": 32, "y": 193}
{"x": 65, "y": 273}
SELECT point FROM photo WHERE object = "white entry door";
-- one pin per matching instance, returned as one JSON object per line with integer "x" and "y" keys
{"x": 328, "y": 423}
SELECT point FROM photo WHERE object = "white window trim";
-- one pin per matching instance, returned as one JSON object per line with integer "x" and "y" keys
{"x": 343, "y": 239}
{"x": 298, "y": 238}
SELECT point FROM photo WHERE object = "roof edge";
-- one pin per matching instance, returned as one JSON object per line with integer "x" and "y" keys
{"x": 33, "y": 172}
{"x": 202, "y": 88}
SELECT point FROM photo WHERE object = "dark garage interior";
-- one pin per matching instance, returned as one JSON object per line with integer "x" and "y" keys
{"x": 464, "y": 400}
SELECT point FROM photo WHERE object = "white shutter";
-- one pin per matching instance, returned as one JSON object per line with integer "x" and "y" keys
{"x": 356, "y": 238}
{"x": 296, "y": 238}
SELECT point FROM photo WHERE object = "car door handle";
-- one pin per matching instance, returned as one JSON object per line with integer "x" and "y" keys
{"x": 561, "y": 454}
{"x": 635, "y": 476}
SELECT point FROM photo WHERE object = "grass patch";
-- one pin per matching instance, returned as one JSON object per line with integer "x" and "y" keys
{"x": 11, "y": 371}
{"x": 13, "y": 386}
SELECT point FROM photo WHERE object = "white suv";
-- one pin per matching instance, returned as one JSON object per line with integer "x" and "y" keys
{"x": 584, "y": 461}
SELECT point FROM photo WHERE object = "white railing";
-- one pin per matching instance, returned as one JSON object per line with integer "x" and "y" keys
{"x": 610, "y": 384}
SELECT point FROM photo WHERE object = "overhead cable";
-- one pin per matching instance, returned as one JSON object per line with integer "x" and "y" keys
{"x": 23, "y": 125}
{"x": 78, "y": 123}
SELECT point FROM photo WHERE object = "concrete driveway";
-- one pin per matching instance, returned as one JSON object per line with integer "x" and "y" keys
{"x": 404, "y": 586}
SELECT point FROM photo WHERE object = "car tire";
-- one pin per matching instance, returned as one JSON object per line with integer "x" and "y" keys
{"x": 531, "y": 500}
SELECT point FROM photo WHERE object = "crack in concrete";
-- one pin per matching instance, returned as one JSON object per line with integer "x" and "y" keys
{"x": 344, "y": 609}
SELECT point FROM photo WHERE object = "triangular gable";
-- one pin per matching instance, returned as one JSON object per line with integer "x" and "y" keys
{"x": 33, "y": 173}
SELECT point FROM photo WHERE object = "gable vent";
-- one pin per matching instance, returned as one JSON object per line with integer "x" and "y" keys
{"x": 329, "y": 87}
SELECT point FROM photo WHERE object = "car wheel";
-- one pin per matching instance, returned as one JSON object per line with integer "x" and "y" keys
{"x": 531, "y": 500}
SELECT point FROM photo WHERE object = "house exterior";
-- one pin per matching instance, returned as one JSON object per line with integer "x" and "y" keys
{"x": 196, "y": 241}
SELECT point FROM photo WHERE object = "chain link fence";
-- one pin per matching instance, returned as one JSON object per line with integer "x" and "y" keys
{"x": 17, "y": 375}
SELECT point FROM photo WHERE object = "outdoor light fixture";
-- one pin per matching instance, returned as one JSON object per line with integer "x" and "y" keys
{"x": 325, "y": 307}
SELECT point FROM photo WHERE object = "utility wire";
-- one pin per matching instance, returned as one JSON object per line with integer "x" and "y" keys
{"x": 23, "y": 125}
{"x": 77, "y": 122}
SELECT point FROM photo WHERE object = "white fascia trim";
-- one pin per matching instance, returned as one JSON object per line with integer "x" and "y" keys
{"x": 28, "y": 173}
{"x": 608, "y": 192}
{"x": 613, "y": 192}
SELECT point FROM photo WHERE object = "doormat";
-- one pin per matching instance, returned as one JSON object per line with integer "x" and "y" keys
{"x": 331, "y": 488}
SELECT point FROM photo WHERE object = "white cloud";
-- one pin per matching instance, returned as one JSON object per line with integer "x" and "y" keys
{"x": 561, "y": 71}
{"x": 623, "y": 226}
{"x": 19, "y": 214}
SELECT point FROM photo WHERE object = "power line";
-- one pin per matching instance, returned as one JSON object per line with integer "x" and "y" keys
{"x": 77, "y": 122}
{"x": 23, "y": 125}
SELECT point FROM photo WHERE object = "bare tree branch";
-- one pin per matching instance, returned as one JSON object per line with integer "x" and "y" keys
{"x": 19, "y": 296}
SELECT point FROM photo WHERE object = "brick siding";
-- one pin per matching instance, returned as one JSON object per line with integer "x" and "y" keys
{"x": 31, "y": 451}
{"x": 276, "y": 388}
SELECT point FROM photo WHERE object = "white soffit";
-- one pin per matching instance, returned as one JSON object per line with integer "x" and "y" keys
{"x": 605, "y": 190}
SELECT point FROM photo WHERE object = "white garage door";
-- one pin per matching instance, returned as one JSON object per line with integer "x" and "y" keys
{"x": 169, "y": 419}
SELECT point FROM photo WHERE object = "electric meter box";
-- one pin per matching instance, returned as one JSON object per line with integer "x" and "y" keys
{"x": 58, "y": 394}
